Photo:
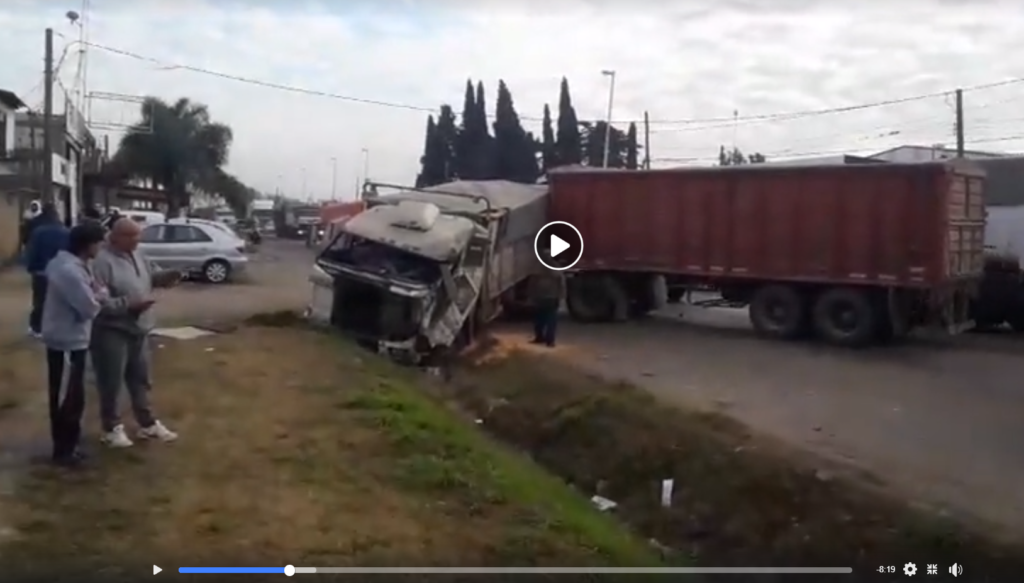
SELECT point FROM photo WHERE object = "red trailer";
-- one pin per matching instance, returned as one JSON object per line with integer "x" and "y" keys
{"x": 852, "y": 253}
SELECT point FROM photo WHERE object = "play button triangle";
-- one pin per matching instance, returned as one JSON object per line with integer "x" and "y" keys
{"x": 558, "y": 245}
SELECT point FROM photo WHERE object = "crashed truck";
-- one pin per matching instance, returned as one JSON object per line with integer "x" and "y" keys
{"x": 420, "y": 270}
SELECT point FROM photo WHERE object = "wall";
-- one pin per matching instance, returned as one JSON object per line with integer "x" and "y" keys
{"x": 10, "y": 227}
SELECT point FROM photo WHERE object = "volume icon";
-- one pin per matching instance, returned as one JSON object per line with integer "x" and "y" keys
{"x": 956, "y": 570}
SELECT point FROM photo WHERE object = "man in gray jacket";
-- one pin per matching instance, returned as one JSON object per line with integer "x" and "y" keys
{"x": 120, "y": 339}
{"x": 72, "y": 302}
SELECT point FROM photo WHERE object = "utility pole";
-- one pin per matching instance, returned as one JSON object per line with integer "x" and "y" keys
{"x": 46, "y": 193}
{"x": 334, "y": 178}
{"x": 959, "y": 123}
{"x": 608, "y": 121}
{"x": 647, "y": 142}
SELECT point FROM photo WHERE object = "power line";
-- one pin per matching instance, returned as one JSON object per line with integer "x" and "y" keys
{"x": 395, "y": 105}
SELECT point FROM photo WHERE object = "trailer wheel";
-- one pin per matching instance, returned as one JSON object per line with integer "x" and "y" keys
{"x": 597, "y": 298}
{"x": 778, "y": 311}
{"x": 845, "y": 317}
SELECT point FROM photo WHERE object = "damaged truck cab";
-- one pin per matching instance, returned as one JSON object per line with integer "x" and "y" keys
{"x": 418, "y": 271}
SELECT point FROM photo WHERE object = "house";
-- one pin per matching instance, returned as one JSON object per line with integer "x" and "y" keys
{"x": 15, "y": 190}
{"x": 825, "y": 161}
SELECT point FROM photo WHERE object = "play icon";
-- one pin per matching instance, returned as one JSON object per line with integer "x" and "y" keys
{"x": 156, "y": 569}
{"x": 558, "y": 245}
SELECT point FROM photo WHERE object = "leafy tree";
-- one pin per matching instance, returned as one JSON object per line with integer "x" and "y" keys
{"x": 569, "y": 144}
{"x": 632, "y": 150}
{"x": 230, "y": 190}
{"x": 432, "y": 171}
{"x": 515, "y": 149}
{"x": 176, "y": 147}
{"x": 549, "y": 155}
{"x": 734, "y": 157}
{"x": 593, "y": 145}
{"x": 469, "y": 136}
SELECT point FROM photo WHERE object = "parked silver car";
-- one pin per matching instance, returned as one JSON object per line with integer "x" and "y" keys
{"x": 197, "y": 247}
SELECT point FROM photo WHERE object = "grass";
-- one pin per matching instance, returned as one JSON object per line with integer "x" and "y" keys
{"x": 296, "y": 448}
{"x": 739, "y": 498}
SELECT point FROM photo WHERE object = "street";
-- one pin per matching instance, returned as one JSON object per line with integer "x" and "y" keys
{"x": 939, "y": 424}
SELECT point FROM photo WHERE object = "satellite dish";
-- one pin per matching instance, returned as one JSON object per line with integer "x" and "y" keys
{"x": 72, "y": 16}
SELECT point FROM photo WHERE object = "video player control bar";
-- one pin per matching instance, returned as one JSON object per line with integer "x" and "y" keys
{"x": 291, "y": 570}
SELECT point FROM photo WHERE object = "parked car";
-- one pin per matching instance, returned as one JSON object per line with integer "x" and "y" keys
{"x": 196, "y": 247}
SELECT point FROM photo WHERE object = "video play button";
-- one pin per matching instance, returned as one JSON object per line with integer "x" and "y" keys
{"x": 558, "y": 245}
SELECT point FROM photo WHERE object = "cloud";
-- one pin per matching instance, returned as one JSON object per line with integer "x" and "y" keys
{"x": 675, "y": 62}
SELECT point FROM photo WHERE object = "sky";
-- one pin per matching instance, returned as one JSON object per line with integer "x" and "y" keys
{"x": 707, "y": 72}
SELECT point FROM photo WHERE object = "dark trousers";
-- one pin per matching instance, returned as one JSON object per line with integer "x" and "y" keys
{"x": 545, "y": 322}
{"x": 35, "y": 317}
{"x": 66, "y": 379}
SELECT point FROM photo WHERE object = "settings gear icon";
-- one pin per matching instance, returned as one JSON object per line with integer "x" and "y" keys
{"x": 910, "y": 569}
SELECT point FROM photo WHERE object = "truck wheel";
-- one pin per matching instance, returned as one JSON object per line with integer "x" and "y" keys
{"x": 845, "y": 317}
{"x": 778, "y": 311}
{"x": 597, "y": 299}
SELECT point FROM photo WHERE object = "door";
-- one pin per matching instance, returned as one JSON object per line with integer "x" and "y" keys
{"x": 187, "y": 247}
{"x": 151, "y": 243}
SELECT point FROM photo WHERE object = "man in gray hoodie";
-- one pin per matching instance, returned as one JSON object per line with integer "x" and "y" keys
{"x": 72, "y": 302}
{"x": 120, "y": 340}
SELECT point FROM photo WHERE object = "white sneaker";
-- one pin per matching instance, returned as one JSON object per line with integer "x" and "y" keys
{"x": 117, "y": 438}
{"x": 157, "y": 431}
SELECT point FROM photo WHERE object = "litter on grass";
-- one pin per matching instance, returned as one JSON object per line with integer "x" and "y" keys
{"x": 182, "y": 333}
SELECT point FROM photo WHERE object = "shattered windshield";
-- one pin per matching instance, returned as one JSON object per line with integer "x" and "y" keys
{"x": 381, "y": 260}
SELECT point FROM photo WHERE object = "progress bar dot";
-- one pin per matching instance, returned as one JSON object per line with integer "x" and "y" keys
{"x": 289, "y": 570}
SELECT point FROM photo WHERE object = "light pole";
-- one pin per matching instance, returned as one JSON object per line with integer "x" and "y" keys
{"x": 303, "y": 183}
{"x": 334, "y": 177}
{"x": 608, "y": 122}
{"x": 366, "y": 164}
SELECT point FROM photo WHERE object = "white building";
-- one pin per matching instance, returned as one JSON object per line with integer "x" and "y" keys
{"x": 931, "y": 153}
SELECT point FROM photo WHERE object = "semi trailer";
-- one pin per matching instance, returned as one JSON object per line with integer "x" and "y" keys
{"x": 850, "y": 254}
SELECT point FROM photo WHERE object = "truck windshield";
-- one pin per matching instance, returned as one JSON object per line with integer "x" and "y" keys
{"x": 381, "y": 260}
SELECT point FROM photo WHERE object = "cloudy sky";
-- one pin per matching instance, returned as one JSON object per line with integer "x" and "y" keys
{"x": 693, "y": 65}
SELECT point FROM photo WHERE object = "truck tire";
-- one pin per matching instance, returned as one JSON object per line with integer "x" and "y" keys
{"x": 845, "y": 317}
{"x": 597, "y": 298}
{"x": 778, "y": 311}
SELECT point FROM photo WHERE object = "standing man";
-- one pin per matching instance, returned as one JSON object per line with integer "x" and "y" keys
{"x": 72, "y": 302}
{"x": 547, "y": 290}
{"x": 47, "y": 237}
{"x": 120, "y": 339}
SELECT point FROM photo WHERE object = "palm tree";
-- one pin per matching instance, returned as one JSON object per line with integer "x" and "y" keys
{"x": 176, "y": 147}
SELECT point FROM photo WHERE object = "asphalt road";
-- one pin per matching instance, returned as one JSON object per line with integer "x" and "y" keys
{"x": 938, "y": 422}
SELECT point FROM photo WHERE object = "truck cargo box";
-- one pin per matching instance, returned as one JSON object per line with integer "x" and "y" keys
{"x": 897, "y": 225}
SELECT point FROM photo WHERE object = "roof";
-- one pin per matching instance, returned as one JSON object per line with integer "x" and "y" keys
{"x": 938, "y": 149}
{"x": 448, "y": 235}
{"x": 10, "y": 100}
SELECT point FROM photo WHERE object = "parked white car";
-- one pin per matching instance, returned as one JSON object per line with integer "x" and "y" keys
{"x": 197, "y": 247}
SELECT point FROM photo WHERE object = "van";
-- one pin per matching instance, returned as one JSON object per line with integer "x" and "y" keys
{"x": 145, "y": 217}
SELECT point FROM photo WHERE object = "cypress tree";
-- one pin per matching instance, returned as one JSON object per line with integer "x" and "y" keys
{"x": 568, "y": 143}
{"x": 515, "y": 152}
{"x": 632, "y": 150}
{"x": 485, "y": 143}
{"x": 432, "y": 161}
{"x": 447, "y": 133}
{"x": 465, "y": 152}
{"x": 549, "y": 155}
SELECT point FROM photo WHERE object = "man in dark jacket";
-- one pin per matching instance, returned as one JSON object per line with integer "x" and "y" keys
{"x": 48, "y": 237}
{"x": 546, "y": 290}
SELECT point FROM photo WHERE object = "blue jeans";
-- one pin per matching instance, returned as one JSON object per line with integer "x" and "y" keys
{"x": 545, "y": 322}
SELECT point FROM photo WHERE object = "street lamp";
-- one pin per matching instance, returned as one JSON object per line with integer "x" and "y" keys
{"x": 334, "y": 177}
{"x": 608, "y": 123}
{"x": 366, "y": 164}
{"x": 303, "y": 182}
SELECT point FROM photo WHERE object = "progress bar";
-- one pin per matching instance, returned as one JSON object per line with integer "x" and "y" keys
{"x": 290, "y": 570}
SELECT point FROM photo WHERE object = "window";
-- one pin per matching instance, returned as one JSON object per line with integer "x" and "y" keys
{"x": 154, "y": 234}
{"x": 186, "y": 234}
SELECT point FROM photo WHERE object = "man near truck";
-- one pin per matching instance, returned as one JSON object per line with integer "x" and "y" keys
{"x": 546, "y": 291}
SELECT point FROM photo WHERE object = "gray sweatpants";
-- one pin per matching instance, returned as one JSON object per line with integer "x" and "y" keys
{"x": 120, "y": 358}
